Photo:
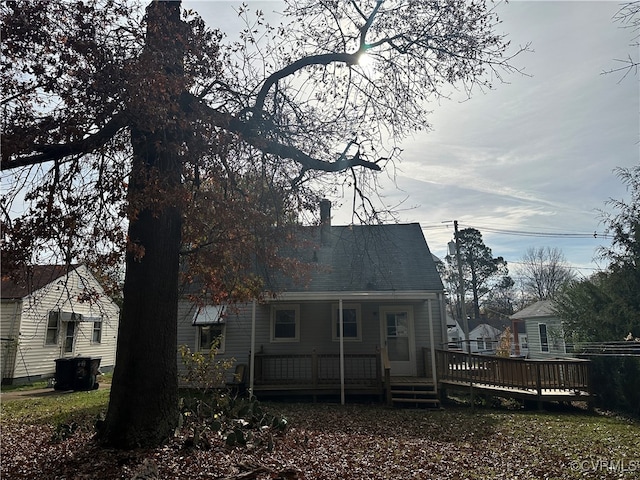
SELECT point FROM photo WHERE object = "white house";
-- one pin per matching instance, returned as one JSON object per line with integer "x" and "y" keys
{"x": 544, "y": 331}
{"x": 54, "y": 312}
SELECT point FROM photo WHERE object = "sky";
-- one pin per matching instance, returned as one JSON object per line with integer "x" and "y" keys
{"x": 537, "y": 154}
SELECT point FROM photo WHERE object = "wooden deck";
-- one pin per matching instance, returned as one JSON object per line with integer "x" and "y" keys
{"x": 318, "y": 374}
{"x": 538, "y": 380}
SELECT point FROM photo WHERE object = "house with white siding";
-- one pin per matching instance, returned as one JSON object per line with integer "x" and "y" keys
{"x": 52, "y": 312}
{"x": 543, "y": 329}
{"x": 373, "y": 306}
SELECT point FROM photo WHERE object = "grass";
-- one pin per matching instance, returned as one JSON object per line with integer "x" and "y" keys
{"x": 104, "y": 378}
{"x": 78, "y": 407}
{"x": 25, "y": 387}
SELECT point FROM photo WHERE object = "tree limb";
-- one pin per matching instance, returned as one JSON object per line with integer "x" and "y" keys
{"x": 320, "y": 59}
{"x": 256, "y": 139}
{"x": 47, "y": 153}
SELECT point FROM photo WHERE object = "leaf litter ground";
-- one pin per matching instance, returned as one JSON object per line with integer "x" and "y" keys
{"x": 327, "y": 441}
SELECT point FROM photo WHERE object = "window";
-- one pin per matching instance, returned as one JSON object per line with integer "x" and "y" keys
{"x": 210, "y": 324}
{"x": 96, "y": 336}
{"x": 351, "y": 329}
{"x": 208, "y": 335}
{"x": 285, "y": 323}
{"x": 69, "y": 337}
{"x": 544, "y": 340}
{"x": 52, "y": 328}
{"x": 480, "y": 343}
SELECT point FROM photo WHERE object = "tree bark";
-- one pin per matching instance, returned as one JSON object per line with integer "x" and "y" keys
{"x": 143, "y": 407}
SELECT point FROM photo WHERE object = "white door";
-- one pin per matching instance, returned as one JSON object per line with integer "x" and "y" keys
{"x": 69, "y": 339}
{"x": 398, "y": 338}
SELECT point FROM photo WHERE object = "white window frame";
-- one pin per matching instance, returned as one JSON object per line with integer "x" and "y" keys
{"x": 546, "y": 333}
{"x": 214, "y": 316}
{"x": 274, "y": 310}
{"x": 223, "y": 336}
{"x": 335, "y": 320}
{"x": 56, "y": 337}
{"x": 66, "y": 337}
{"x": 97, "y": 327}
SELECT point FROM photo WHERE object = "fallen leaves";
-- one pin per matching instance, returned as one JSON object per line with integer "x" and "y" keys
{"x": 351, "y": 442}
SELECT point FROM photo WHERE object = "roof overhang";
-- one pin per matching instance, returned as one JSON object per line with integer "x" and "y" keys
{"x": 404, "y": 295}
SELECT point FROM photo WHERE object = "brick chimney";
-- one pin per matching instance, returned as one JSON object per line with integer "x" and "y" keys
{"x": 325, "y": 220}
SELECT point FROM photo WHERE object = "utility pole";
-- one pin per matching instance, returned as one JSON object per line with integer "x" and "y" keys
{"x": 463, "y": 313}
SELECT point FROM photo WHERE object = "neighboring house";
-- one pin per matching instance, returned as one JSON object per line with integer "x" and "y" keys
{"x": 545, "y": 335}
{"x": 455, "y": 334}
{"x": 385, "y": 280}
{"x": 484, "y": 335}
{"x": 54, "y": 312}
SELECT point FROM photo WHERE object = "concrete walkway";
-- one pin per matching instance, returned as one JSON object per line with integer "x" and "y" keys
{"x": 40, "y": 392}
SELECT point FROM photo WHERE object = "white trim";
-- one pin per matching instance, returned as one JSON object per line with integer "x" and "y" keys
{"x": 341, "y": 331}
{"x": 546, "y": 332}
{"x": 253, "y": 348}
{"x": 406, "y": 295}
{"x": 285, "y": 306}
{"x": 335, "y": 308}
{"x": 433, "y": 349}
{"x": 403, "y": 367}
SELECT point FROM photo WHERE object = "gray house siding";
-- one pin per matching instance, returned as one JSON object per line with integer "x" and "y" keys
{"x": 542, "y": 312}
{"x": 372, "y": 268}
{"x": 316, "y": 331}
{"x": 555, "y": 341}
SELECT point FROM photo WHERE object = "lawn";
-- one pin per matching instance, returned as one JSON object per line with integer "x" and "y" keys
{"x": 52, "y": 437}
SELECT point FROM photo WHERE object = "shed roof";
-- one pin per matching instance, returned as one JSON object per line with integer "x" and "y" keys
{"x": 542, "y": 308}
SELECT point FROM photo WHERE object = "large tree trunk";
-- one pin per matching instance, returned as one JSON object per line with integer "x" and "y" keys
{"x": 143, "y": 408}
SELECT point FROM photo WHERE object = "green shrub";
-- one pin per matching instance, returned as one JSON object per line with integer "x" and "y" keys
{"x": 616, "y": 383}
{"x": 209, "y": 408}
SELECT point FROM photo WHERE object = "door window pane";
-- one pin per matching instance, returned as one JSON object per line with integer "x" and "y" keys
{"x": 69, "y": 337}
{"x": 398, "y": 337}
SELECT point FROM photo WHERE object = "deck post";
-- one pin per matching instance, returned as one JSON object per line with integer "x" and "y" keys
{"x": 341, "y": 328}
{"x": 433, "y": 349}
{"x": 387, "y": 375}
{"x": 539, "y": 386}
{"x": 471, "y": 393}
{"x": 314, "y": 368}
{"x": 252, "y": 353}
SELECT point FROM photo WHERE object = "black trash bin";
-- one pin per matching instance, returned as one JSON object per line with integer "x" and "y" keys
{"x": 78, "y": 373}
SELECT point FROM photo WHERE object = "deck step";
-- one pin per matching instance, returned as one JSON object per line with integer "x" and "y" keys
{"x": 418, "y": 394}
{"x": 432, "y": 401}
{"x": 410, "y": 392}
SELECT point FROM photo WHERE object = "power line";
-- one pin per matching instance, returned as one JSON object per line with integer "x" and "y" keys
{"x": 524, "y": 233}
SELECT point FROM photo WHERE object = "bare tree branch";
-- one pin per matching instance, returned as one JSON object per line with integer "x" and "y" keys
{"x": 47, "y": 153}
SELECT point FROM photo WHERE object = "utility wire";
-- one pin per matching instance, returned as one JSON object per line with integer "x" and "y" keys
{"x": 524, "y": 233}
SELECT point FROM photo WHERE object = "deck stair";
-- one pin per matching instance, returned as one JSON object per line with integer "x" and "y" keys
{"x": 415, "y": 393}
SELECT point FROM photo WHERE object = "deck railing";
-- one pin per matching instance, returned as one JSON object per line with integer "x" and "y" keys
{"x": 316, "y": 370}
{"x": 514, "y": 373}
